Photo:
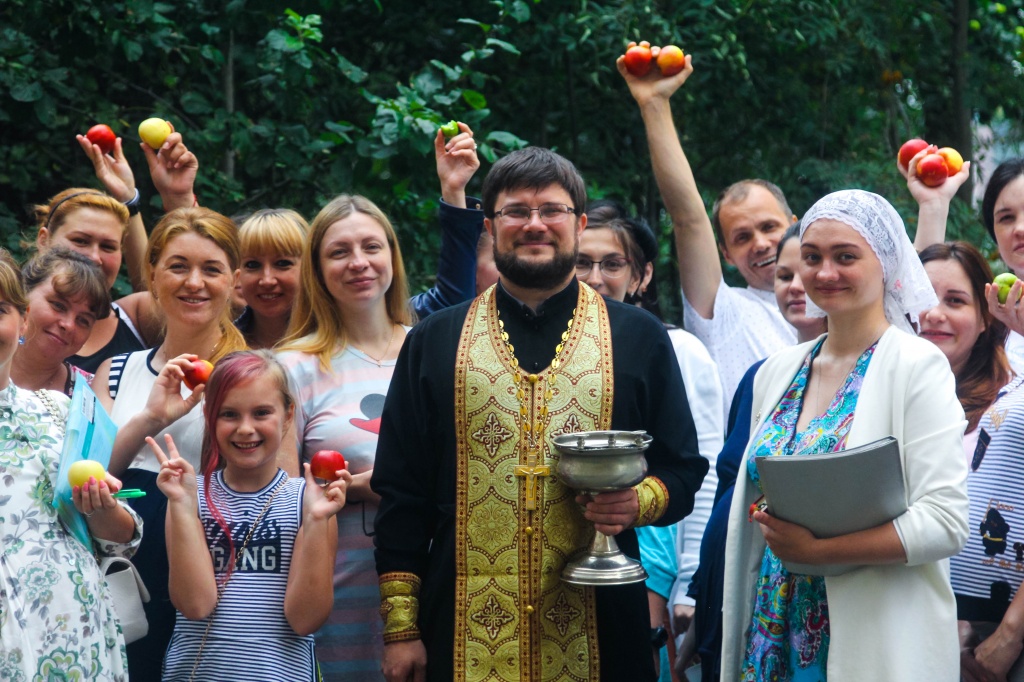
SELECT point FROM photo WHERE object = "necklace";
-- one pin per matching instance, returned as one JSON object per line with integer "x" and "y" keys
{"x": 384, "y": 355}
{"x": 533, "y": 430}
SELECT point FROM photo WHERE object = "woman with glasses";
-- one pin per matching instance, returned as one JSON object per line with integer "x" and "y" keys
{"x": 616, "y": 258}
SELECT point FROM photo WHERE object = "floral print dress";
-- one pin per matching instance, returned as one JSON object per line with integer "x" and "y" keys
{"x": 57, "y": 620}
{"x": 789, "y": 631}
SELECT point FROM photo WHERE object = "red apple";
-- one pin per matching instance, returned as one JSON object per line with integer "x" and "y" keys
{"x": 326, "y": 464}
{"x": 638, "y": 58}
{"x": 671, "y": 60}
{"x": 954, "y": 162}
{"x": 932, "y": 170}
{"x": 910, "y": 149}
{"x": 197, "y": 373}
{"x": 102, "y": 136}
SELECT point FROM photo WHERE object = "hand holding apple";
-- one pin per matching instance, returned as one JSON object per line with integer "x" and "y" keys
{"x": 1004, "y": 282}
{"x": 450, "y": 129}
{"x": 198, "y": 372}
{"x": 81, "y": 471}
{"x": 934, "y": 167}
{"x": 322, "y": 503}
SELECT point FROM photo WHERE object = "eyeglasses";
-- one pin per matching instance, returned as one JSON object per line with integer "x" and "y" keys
{"x": 610, "y": 267}
{"x": 550, "y": 214}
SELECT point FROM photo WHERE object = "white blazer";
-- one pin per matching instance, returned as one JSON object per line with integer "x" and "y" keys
{"x": 888, "y": 622}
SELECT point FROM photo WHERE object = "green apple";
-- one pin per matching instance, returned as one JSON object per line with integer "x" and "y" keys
{"x": 450, "y": 129}
{"x": 80, "y": 472}
{"x": 1004, "y": 282}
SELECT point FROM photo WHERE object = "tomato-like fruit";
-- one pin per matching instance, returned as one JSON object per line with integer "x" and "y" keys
{"x": 103, "y": 137}
{"x": 80, "y": 472}
{"x": 197, "y": 373}
{"x": 450, "y": 129}
{"x": 638, "y": 58}
{"x": 909, "y": 150}
{"x": 326, "y": 464}
{"x": 671, "y": 60}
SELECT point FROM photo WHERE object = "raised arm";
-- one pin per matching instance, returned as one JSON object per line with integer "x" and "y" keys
{"x": 173, "y": 169}
{"x": 460, "y": 228}
{"x": 700, "y": 271}
{"x": 932, "y": 202}
{"x": 117, "y": 177}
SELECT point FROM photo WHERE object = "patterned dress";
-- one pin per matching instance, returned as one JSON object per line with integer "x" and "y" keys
{"x": 57, "y": 620}
{"x": 789, "y": 630}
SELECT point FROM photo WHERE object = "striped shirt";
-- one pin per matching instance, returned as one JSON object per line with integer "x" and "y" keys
{"x": 992, "y": 563}
{"x": 250, "y": 638}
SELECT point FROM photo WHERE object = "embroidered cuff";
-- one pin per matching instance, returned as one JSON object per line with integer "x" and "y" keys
{"x": 653, "y": 497}
{"x": 399, "y": 606}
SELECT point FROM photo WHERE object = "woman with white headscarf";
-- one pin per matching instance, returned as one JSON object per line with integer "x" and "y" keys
{"x": 894, "y": 616}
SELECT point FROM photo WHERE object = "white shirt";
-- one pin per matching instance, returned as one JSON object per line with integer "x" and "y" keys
{"x": 704, "y": 394}
{"x": 746, "y": 326}
{"x": 1015, "y": 352}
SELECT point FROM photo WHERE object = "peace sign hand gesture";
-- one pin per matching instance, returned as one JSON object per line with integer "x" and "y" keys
{"x": 177, "y": 478}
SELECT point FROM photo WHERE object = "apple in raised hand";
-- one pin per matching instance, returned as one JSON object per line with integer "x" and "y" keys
{"x": 671, "y": 60}
{"x": 932, "y": 170}
{"x": 197, "y": 373}
{"x": 326, "y": 464}
{"x": 450, "y": 129}
{"x": 103, "y": 137}
{"x": 638, "y": 58}
{"x": 1004, "y": 282}
{"x": 154, "y": 131}
{"x": 81, "y": 471}
{"x": 909, "y": 150}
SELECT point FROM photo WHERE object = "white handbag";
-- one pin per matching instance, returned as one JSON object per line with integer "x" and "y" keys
{"x": 127, "y": 592}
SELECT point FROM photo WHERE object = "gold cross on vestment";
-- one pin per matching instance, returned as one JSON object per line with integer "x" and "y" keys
{"x": 531, "y": 472}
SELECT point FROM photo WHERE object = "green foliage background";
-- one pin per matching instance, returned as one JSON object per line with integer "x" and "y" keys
{"x": 290, "y": 104}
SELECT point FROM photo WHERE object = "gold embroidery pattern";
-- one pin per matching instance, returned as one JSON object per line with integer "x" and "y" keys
{"x": 399, "y": 606}
{"x": 998, "y": 417}
{"x": 492, "y": 434}
{"x": 653, "y": 497}
{"x": 520, "y": 621}
{"x": 561, "y": 614}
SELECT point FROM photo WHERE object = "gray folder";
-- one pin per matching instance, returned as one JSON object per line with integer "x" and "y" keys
{"x": 835, "y": 493}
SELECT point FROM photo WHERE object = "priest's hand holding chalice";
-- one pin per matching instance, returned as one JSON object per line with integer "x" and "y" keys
{"x": 595, "y": 462}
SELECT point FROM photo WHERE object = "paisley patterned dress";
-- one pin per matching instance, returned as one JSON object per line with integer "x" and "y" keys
{"x": 789, "y": 632}
{"x": 57, "y": 620}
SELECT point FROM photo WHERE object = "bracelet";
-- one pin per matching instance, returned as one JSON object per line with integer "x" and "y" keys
{"x": 134, "y": 204}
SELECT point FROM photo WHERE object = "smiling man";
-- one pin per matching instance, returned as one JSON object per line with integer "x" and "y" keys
{"x": 738, "y": 325}
{"x": 474, "y": 524}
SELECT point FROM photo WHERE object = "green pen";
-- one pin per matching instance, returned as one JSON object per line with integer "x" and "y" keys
{"x": 129, "y": 494}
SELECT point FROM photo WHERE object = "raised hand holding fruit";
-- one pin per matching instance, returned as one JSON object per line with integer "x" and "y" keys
{"x": 81, "y": 471}
{"x": 103, "y": 137}
{"x": 197, "y": 373}
{"x": 154, "y": 131}
{"x": 638, "y": 58}
{"x": 326, "y": 464}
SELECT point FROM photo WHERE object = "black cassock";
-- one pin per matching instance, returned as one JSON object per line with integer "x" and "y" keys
{"x": 415, "y": 467}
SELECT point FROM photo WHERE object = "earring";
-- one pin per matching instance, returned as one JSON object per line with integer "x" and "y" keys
{"x": 21, "y": 340}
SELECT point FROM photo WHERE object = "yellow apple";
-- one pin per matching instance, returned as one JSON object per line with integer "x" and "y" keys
{"x": 80, "y": 471}
{"x": 154, "y": 131}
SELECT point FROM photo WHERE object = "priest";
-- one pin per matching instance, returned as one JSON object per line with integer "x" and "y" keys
{"x": 474, "y": 525}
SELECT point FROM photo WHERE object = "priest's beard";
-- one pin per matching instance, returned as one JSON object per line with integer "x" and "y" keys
{"x": 532, "y": 275}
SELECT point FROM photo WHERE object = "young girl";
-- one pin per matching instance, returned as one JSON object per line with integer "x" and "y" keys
{"x": 247, "y": 544}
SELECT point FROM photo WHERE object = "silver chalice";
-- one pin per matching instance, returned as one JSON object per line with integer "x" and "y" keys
{"x": 595, "y": 462}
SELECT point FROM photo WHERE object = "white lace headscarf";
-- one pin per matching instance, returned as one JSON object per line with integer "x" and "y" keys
{"x": 908, "y": 291}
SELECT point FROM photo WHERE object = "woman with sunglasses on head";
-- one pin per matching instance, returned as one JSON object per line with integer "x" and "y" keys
{"x": 892, "y": 616}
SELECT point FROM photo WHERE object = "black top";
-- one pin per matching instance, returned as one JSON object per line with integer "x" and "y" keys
{"x": 124, "y": 340}
{"x": 415, "y": 467}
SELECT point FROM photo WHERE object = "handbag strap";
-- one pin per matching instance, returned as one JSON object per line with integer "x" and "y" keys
{"x": 51, "y": 407}
{"x": 223, "y": 585}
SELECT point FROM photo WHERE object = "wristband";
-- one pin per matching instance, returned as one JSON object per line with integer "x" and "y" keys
{"x": 134, "y": 204}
